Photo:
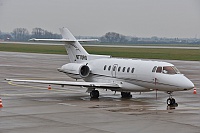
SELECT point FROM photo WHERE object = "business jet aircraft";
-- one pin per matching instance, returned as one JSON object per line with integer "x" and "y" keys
{"x": 115, "y": 74}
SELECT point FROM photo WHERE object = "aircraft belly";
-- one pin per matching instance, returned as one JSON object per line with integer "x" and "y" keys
{"x": 99, "y": 78}
{"x": 126, "y": 86}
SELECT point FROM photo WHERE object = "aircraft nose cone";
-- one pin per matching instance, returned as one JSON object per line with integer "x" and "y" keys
{"x": 187, "y": 84}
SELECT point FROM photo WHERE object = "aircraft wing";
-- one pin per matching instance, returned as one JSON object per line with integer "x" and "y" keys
{"x": 69, "y": 83}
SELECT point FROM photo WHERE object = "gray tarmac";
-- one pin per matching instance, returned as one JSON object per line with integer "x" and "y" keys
{"x": 32, "y": 108}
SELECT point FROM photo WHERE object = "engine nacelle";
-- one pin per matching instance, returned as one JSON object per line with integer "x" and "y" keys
{"x": 75, "y": 70}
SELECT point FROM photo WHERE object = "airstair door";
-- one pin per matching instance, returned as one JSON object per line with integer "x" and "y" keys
{"x": 114, "y": 70}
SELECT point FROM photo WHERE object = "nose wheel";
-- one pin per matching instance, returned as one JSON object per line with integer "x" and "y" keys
{"x": 171, "y": 101}
{"x": 94, "y": 94}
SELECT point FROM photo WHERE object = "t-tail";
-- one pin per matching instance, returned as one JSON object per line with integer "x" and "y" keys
{"x": 76, "y": 53}
{"x": 74, "y": 49}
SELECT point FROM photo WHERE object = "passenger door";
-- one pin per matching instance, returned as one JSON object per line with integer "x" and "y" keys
{"x": 114, "y": 70}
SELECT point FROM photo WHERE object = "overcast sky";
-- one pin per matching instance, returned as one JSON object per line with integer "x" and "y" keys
{"x": 141, "y": 18}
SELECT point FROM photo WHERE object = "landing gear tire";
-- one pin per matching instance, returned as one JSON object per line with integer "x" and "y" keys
{"x": 94, "y": 94}
{"x": 126, "y": 95}
{"x": 172, "y": 102}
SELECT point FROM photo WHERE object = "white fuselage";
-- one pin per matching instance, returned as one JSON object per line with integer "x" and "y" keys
{"x": 136, "y": 75}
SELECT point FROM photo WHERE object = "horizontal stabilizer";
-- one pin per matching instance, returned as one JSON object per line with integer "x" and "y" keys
{"x": 66, "y": 37}
{"x": 63, "y": 40}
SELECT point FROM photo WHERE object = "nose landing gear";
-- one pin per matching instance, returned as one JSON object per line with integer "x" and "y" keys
{"x": 171, "y": 102}
{"x": 94, "y": 94}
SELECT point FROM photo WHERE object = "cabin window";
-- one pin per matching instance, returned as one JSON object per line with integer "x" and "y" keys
{"x": 132, "y": 70}
{"x": 105, "y": 67}
{"x": 159, "y": 70}
{"x": 123, "y": 70}
{"x": 109, "y": 68}
{"x": 119, "y": 68}
{"x": 128, "y": 69}
{"x": 154, "y": 69}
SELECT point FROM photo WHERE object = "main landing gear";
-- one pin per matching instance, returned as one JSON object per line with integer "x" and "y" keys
{"x": 94, "y": 94}
{"x": 126, "y": 95}
{"x": 171, "y": 102}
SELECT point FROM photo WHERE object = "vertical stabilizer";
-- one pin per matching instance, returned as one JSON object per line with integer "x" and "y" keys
{"x": 66, "y": 34}
{"x": 76, "y": 52}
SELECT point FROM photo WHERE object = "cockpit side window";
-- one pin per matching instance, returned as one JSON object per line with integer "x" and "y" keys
{"x": 154, "y": 69}
{"x": 176, "y": 70}
{"x": 159, "y": 70}
{"x": 170, "y": 70}
{"x": 166, "y": 70}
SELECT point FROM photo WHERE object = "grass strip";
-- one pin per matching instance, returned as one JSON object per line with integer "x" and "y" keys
{"x": 144, "y": 53}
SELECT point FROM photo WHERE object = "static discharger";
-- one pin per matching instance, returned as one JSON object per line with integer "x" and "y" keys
{"x": 49, "y": 87}
{"x": 195, "y": 91}
{"x": 1, "y": 105}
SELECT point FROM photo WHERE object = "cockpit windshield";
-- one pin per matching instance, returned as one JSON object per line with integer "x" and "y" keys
{"x": 166, "y": 70}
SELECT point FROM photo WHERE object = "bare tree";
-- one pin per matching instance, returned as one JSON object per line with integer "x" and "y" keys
{"x": 113, "y": 38}
{"x": 41, "y": 33}
{"x": 37, "y": 33}
{"x": 20, "y": 34}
